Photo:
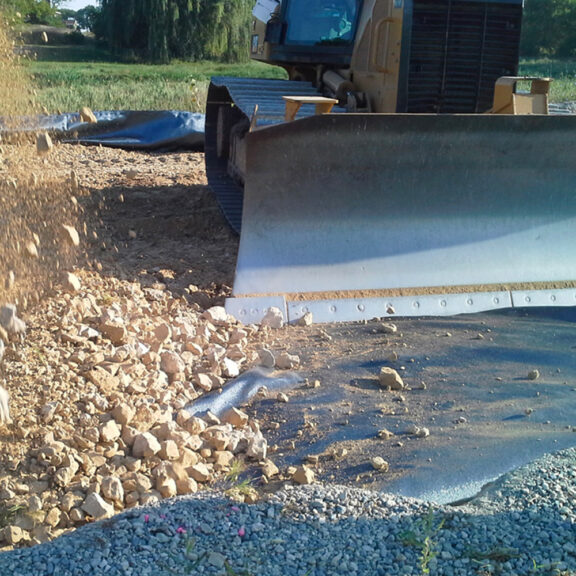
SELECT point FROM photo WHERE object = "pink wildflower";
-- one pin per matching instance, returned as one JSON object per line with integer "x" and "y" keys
{"x": 242, "y": 532}
{"x": 181, "y": 530}
{"x": 146, "y": 517}
{"x": 235, "y": 509}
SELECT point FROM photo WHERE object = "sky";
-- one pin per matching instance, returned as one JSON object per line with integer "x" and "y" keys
{"x": 77, "y": 4}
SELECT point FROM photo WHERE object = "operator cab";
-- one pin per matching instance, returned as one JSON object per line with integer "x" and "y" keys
{"x": 299, "y": 32}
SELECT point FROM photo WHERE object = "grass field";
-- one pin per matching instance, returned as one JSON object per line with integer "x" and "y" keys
{"x": 64, "y": 82}
{"x": 562, "y": 72}
{"x": 69, "y": 77}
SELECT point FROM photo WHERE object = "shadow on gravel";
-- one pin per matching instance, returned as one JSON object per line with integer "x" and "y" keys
{"x": 321, "y": 532}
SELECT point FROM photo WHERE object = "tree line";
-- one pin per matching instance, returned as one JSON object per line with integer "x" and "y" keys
{"x": 32, "y": 11}
{"x": 549, "y": 28}
{"x": 161, "y": 30}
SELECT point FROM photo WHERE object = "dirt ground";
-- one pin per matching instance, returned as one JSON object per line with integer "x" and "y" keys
{"x": 149, "y": 219}
{"x": 85, "y": 229}
{"x": 158, "y": 223}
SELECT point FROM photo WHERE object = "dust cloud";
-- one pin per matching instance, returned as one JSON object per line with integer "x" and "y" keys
{"x": 39, "y": 209}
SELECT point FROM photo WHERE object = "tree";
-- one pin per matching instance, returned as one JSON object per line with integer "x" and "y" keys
{"x": 549, "y": 28}
{"x": 32, "y": 11}
{"x": 88, "y": 18}
{"x": 158, "y": 30}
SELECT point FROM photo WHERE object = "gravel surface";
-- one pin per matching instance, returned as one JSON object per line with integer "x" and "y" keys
{"x": 522, "y": 524}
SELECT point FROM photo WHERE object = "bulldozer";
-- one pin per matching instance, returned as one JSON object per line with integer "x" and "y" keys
{"x": 401, "y": 168}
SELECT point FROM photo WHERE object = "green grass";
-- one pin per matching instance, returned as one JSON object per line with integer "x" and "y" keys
{"x": 69, "y": 77}
{"x": 562, "y": 72}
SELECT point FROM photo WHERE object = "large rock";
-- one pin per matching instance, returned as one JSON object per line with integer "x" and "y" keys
{"x": 4, "y": 404}
{"x": 187, "y": 486}
{"x": 53, "y": 517}
{"x": 63, "y": 476}
{"x": 274, "y": 318}
{"x": 94, "y": 505}
{"x": 390, "y": 379}
{"x": 217, "y": 437}
{"x": 166, "y": 485}
{"x": 112, "y": 489}
{"x": 70, "y": 500}
{"x": 109, "y": 432}
{"x": 304, "y": 475}
{"x": 145, "y": 445}
{"x": 48, "y": 411}
{"x": 77, "y": 515}
{"x": 115, "y": 331}
{"x": 71, "y": 235}
{"x": 257, "y": 447}
{"x": 44, "y": 143}
{"x": 222, "y": 459}
{"x": 123, "y": 413}
{"x": 14, "y": 534}
{"x": 269, "y": 469}
{"x": 287, "y": 361}
{"x": 165, "y": 430}
{"x": 216, "y": 315}
{"x": 378, "y": 463}
{"x": 169, "y": 450}
{"x": 72, "y": 282}
{"x": 230, "y": 368}
{"x": 103, "y": 379}
{"x": 208, "y": 382}
{"x": 200, "y": 472}
{"x": 171, "y": 363}
{"x": 191, "y": 424}
{"x": 235, "y": 417}
{"x": 86, "y": 115}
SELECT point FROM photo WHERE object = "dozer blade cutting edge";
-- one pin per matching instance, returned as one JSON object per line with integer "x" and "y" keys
{"x": 345, "y": 214}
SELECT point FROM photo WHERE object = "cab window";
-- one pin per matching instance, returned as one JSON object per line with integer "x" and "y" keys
{"x": 328, "y": 22}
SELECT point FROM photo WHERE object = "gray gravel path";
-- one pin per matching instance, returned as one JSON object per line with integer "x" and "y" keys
{"x": 524, "y": 523}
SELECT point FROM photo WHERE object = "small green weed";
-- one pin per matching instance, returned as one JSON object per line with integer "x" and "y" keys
{"x": 9, "y": 513}
{"x": 231, "y": 572}
{"x": 236, "y": 489}
{"x": 242, "y": 491}
{"x": 190, "y": 564}
{"x": 236, "y": 468}
{"x": 106, "y": 300}
{"x": 488, "y": 562}
{"x": 548, "y": 569}
{"x": 424, "y": 537}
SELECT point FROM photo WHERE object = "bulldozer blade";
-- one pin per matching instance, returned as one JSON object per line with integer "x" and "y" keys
{"x": 354, "y": 203}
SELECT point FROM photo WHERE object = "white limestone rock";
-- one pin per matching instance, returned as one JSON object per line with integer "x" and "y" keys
{"x": 112, "y": 489}
{"x": 145, "y": 445}
{"x": 96, "y": 507}
{"x": 274, "y": 318}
